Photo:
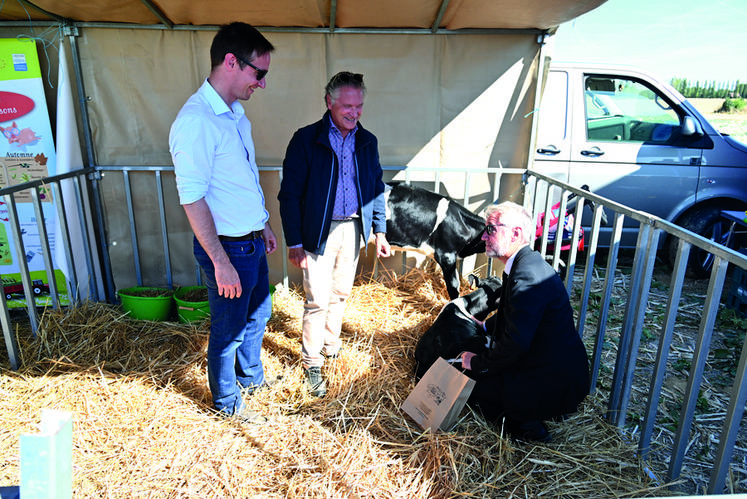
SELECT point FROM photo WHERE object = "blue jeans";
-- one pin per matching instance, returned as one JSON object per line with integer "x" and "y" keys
{"x": 237, "y": 325}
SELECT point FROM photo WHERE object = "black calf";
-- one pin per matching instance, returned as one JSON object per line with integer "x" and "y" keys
{"x": 454, "y": 331}
{"x": 435, "y": 225}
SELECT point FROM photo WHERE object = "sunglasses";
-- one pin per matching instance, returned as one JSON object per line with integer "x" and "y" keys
{"x": 491, "y": 229}
{"x": 261, "y": 73}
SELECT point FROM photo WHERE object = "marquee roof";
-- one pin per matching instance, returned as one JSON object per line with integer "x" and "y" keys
{"x": 430, "y": 15}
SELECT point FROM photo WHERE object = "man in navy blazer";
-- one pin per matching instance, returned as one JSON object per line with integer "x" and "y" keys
{"x": 331, "y": 198}
{"x": 535, "y": 366}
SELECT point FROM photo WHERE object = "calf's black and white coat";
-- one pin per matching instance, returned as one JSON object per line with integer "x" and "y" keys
{"x": 455, "y": 330}
{"x": 433, "y": 224}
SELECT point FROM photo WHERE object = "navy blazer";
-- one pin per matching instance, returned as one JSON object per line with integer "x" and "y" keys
{"x": 307, "y": 192}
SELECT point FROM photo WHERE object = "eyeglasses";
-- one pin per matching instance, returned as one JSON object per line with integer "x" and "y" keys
{"x": 261, "y": 73}
{"x": 491, "y": 229}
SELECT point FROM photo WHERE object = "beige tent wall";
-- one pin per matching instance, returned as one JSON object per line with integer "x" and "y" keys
{"x": 434, "y": 101}
{"x": 437, "y": 100}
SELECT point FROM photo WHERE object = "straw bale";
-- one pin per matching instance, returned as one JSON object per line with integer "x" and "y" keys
{"x": 144, "y": 427}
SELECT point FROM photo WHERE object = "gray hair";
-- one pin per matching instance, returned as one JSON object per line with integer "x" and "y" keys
{"x": 513, "y": 215}
{"x": 343, "y": 79}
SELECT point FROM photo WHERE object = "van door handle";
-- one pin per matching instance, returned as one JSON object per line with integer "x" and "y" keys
{"x": 594, "y": 151}
{"x": 549, "y": 149}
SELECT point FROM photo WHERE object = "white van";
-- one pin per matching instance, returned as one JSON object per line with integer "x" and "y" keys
{"x": 639, "y": 142}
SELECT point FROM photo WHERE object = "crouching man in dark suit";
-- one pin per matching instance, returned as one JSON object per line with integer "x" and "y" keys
{"x": 535, "y": 367}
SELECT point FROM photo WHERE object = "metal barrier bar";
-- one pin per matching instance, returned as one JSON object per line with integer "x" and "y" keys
{"x": 615, "y": 412}
{"x": 164, "y": 230}
{"x": 705, "y": 334}
{"x": 63, "y": 235}
{"x": 84, "y": 210}
{"x": 575, "y": 238}
{"x": 588, "y": 271}
{"x": 604, "y": 305}
{"x": 23, "y": 267}
{"x": 641, "y": 290}
{"x": 546, "y": 221}
{"x": 71, "y": 31}
{"x": 41, "y": 227}
{"x": 10, "y": 340}
{"x": 665, "y": 341}
{"x": 634, "y": 316}
{"x": 101, "y": 231}
{"x": 731, "y": 426}
{"x": 559, "y": 230}
{"x": 133, "y": 228}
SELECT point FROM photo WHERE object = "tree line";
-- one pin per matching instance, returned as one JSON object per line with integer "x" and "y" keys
{"x": 710, "y": 89}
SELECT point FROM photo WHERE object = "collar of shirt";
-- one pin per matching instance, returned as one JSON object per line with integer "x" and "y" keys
{"x": 336, "y": 131}
{"x": 510, "y": 264}
{"x": 510, "y": 261}
{"x": 216, "y": 102}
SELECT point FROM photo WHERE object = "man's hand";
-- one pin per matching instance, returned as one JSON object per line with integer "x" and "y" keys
{"x": 271, "y": 242}
{"x": 297, "y": 257}
{"x": 227, "y": 280}
{"x": 467, "y": 360}
{"x": 382, "y": 245}
{"x": 201, "y": 220}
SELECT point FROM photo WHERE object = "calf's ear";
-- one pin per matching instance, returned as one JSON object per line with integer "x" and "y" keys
{"x": 474, "y": 280}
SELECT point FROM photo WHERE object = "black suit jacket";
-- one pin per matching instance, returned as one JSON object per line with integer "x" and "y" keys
{"x": 537, "y": 360}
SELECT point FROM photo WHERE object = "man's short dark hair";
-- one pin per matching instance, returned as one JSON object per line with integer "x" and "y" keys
{"x": 240, "y": 39}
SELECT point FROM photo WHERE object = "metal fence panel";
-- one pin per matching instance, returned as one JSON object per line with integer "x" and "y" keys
{"x": 538, "y": 193}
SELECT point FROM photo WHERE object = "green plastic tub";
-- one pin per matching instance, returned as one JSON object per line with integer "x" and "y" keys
{"x": 191, "y": 311}
{"x": 137, "y": 302}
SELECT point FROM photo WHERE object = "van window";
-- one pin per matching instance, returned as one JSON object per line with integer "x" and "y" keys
{"x": 626, "y": 110}
{"x": 553, "y": 116}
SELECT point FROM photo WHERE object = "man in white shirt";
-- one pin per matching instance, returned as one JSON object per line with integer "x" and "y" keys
{"x": 218, "y": 184}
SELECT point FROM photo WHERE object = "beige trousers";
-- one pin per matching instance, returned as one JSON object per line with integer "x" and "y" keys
{"x": 328, "y": 280}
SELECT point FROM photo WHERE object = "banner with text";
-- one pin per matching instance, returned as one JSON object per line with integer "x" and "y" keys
{"x": 27, "y": 153}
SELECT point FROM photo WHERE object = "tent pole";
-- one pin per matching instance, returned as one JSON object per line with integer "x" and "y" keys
{"x": 72, "y": 32}
{"x": 332, "y": 15}
{"x": 538, "y": 87}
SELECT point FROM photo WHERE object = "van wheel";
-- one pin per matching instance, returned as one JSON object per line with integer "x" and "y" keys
{"x": 709, "y": 223}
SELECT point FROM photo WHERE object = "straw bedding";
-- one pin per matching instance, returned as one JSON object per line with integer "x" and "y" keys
{"x": 143, "y": 426}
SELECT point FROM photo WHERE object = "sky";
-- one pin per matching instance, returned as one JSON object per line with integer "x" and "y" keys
{"x": 695, "y": 39}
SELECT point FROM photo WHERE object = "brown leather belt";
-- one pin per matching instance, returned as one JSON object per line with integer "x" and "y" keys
{"x": 257, "y": 234}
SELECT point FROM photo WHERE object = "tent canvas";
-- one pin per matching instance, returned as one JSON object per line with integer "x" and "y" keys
{"x": 451, "y": 86}
{"x": 338, "y": 14}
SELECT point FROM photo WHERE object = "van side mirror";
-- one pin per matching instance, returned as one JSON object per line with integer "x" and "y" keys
{"x": 691, "y": 128}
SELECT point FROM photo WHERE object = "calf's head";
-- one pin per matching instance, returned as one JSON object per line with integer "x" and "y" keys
{"x": 484, "y": 299}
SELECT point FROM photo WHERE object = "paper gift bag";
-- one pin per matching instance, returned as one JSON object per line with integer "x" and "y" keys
{"x": 439, "y": 396}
